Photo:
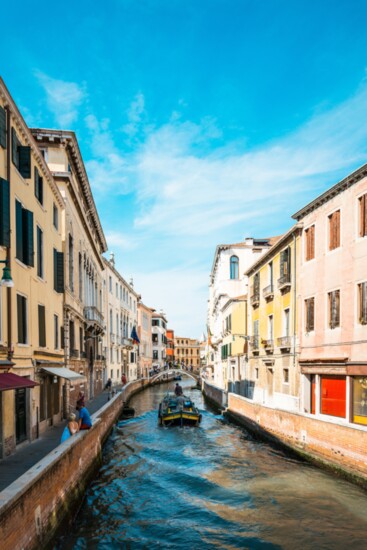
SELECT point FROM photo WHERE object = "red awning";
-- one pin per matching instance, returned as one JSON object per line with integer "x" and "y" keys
{"x": 10, "y": 381}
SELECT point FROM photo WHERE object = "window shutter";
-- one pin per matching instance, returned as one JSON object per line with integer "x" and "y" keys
{"x": 14, "y": 147}
{"x": 28, "y": 240}
{"x": 312, "y": 314}
{"x": 2, "y": 128}
{"x": 312, "y": 243}
{"x": 337, "y": 229}
{"x": 288, "y": 273}
{"x": 282, "y": 258}
{"x": 337, "y": 308}
{"x": 4, "y": 213}
{"x": 38, "y": 185}
{"x": 363, "y": 216}
{"x": 363, "y": 293}
{"x": 42, "y": 326}
{"x": 25, "y": 161}
{"x": 19, "y": 230}
{"x": 62, "y": 338}
{"x": 60, "y": 272}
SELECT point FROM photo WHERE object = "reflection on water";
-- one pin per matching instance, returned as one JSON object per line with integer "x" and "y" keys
{"x": 210, "y": 487}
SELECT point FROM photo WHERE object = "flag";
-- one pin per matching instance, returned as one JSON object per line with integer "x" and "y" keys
{"x": 134, "y": 336}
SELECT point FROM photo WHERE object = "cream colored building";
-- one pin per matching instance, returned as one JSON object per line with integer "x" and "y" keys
{"x": 31, "y": 322}
{"x": 187, "y": 352}
{"x": 121, "y": 316}
{"x": 145, "y": 336}
{"x": 83, "y": 245}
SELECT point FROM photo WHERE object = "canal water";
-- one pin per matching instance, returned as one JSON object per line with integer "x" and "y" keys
{"x": 210, "y": 487}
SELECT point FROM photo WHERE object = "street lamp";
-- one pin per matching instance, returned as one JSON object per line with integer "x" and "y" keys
{"x": 6, "y": 279}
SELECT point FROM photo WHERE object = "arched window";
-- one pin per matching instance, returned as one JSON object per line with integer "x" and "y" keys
{"x": 234, "y": 267}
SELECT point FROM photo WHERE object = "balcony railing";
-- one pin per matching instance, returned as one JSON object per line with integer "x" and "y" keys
{"x": 284, "y": 342}
{"x": 284, "y": 282}
{"x": 268, "y": 292}
{"x": 126, "y": 342}
{"x": 74, "y": 353}
{"x": 255, "y": 296}
{"x": 255, "y": 343}
{"x": 268, "y": 344}
{"x": 93, "y": 315}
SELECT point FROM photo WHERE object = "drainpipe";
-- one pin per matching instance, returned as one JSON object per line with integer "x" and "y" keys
{"x": 8, "y": 290}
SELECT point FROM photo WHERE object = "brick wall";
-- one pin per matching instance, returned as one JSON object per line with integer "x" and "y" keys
{"x": 342, "y": 447}
{"x": 32, "y": 508}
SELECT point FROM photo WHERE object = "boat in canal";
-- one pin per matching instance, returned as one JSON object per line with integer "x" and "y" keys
{"x": 178, "y": 411}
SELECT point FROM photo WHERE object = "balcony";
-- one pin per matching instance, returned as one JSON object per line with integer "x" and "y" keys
{"x": 127, "y": 343}
{"x": 284, "y": 282}
{"x": 113, "y": 338}
{"x": 268, "y": 345}
{"x": 255, "y": 296}
{"x": 93, "y": 317}
{"x": 255, "y": 343}
{"x": 74, "y": 353}
{"x": 268, "y": 292}
{"x": 284, "y": 342}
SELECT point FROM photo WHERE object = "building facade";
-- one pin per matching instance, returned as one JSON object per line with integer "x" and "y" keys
{"x": 145, "y": 314}
{"x": 234, "y": 347}
{"x": 170, "y": 350}
{"x": 32, "y": 310}
{"x": 187, "y": 353}
{"x": 333, "y": 303}
{"x": 273, "y": 374}
{"x": 227, "y": 280}
{"x": 83, "y": 245}
{"x": 159, "y": 339}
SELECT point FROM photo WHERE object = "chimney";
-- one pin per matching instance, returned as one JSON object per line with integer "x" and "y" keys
{"x": 131, "y": 283}
{"x": 112, "y": 259}
{"x": 249, "y": 241}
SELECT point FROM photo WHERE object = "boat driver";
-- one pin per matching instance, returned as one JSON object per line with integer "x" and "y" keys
{"x": 178, "y": 390}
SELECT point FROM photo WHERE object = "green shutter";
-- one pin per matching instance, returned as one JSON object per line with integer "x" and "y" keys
{"x": 42, "y": 326}
{"x": 14, "y": 147}
{"x": 19, "y": 230}
{"x": 25, "y": 161}
{"x": 4, "y": 213}
{"x": 2, "y": 128}
{"x": 38, "y": 185}
{"x": 59, "y": 272}
{"x": 28, "y": 239}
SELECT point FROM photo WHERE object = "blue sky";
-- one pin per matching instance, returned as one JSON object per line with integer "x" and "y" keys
{"x": 200, "y": 121}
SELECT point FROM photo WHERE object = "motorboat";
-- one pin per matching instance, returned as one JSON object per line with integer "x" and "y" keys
{"x": 178, "y": 411}
{"x": 177, "y": 377}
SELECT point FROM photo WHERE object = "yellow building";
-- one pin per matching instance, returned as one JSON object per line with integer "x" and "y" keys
{"x": 83, "y": 244}
{"x": 273, "y": 375}
{"x": 234, "y": 343}
{"x": 187, "y": 352}
{"x": 31, "y": 208}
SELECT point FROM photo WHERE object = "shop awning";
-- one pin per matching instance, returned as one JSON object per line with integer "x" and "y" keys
{"x": 63, "y": 372}
{"x": 10, "y": 381}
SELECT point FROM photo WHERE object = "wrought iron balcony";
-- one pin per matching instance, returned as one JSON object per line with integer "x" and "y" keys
{"x": 268, "y": 344}
{"x": 255, "y": 296}
{"x": 284, "y": 342}
{"x": 127, "y": 343}
{"x": 268, "y": 292}
{"x": 93, "y": 316}
{"x": 284, "y": 282}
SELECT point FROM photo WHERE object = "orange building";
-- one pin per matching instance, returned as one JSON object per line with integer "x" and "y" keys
{"x": 170, "y": 349}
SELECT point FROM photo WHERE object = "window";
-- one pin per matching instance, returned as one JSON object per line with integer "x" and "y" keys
{"x": 41, "y": 326}
{"x": 360, "y": 400}
{"x": 81, "y": 341}
{"x": 285, "y": 266}
{"x": 4, "y": 213}
{"x": 24, "y": 234}
{"x": 362, "y": 303}
{"x": 80, "y": 277}
{"x": 21, "y": 156}
{"x": 234, "y": 267}
{"x": 56, "y": 331}
{"x": 22, "y": 319}
{"x": 334, "y": 308}
{"x": 132, "y": 357}
{"x": 55, "y": 217}
{"x": 155, "y": 354}
{"x": 310, "y": 243}
{"x": 286, "y": 322}
{"x": 40, "y": 253}
{"x": 117, "y": 290}
{"x": 58, "y": 271}
{"x": 71, "y": 263}
{"x": 2, "y": 128}
{"x": 155, "y": 323}
{"x": 38, "y": 186}
{"x": 285, "y": 376}
{"x": 110, "y": 284}
{"x": 334, "y": 230}
{"x": 363, "y": 215}
{"x": 310, "y": 314}
{"x": 270, "y": 327}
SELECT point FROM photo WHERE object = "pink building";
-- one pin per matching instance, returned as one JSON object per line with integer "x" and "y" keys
{"x": 332, "y": 293}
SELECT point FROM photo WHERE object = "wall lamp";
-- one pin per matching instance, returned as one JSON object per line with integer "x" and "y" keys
{"x": 6, "y": 279}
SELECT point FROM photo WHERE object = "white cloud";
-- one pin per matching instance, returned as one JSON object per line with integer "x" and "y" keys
{"x": 63, "y": 99}
{"x": 134, "y": 115}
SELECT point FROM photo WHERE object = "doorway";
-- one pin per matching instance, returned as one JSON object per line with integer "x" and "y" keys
{"x": 20, "y": 415}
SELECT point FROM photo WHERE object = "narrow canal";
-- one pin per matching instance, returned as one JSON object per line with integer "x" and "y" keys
{"x": 210, "y": 487}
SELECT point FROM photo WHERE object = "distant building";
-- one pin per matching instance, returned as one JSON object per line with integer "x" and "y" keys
{"x": 170, "y": 350}
{"x": 187, "y": 352}
{"x": 159, "y": 339}
{"x": 145, "y": 314}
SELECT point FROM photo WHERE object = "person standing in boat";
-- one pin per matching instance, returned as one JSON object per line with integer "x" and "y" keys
{"x": 178, "y": 389}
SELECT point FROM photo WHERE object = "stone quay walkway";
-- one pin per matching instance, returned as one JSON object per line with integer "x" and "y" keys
{"x": 28, "y": 454}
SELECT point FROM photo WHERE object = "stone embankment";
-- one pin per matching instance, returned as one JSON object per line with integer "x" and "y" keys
{"x": 32, "y": 508}
{"x": 340, "y": 448}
